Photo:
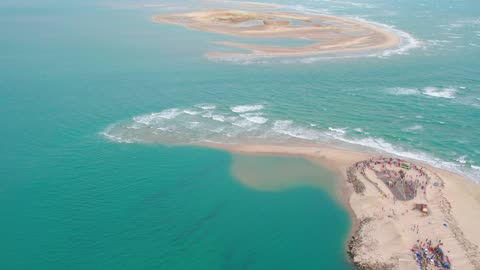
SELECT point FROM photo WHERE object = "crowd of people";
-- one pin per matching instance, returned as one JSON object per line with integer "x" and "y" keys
{"x": 431, "y": 255}
{"x": 408, "y": 179}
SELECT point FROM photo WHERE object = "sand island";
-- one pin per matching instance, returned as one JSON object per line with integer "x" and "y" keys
{"x": 407, "y": 215}
{"x": 326, "y": 34}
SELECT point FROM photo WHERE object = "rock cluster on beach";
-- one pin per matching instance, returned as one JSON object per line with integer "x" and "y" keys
{"x": 354, "y": 248}
{"x": 352, "y": 178}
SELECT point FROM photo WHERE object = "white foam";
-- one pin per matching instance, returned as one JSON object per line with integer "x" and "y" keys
{"x": 134, "y": 125}
{"x": 169, "y": 113}
{"x": 360, "y": 130}
{"x": 282, "y": 123}
{"x": 462, "y": 159}
{"x": 205, "y": 106}
{"x": 384, "y": 146}
{"x": 413, "y": 128}
{"x": 355, "y": 4}
{"x": 286, "y": 127}
{"x": 407, "y": 43}
{"x": 254, "y": 125}
{"x": 144, "y": 119}
{"x": 338, "y": 130}
{"x": 208, "y": 114}
{"x": 254, "y": 118}
{"x": 243, "y": 123}
{"x": 107, "y": 133}
{"x": 217, "y": 130}
{"x": 116, "y": 138}
{"x": 154, "y": 118}
{"x": 167, "y": 129}
{"x": 218, "y": 117}
{"x": 213, "y": 116}
{"x": 190, "y": 112}
{"x": 448, "y": 92}
{"x": 246, "y": 108}
{"x": 402, "y": 91}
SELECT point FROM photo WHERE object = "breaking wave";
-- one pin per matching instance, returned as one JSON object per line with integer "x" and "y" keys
{"x": 205, "y": 106}
{"x": 431, "y": 91}
{"x": 407, "y": 41}
{"x": 448, "y": 92}
{"x": 246, "y": 108}
{"x": 251, "y": 124}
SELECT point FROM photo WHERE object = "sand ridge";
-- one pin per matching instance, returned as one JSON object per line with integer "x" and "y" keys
{"x": 324, "y": 33}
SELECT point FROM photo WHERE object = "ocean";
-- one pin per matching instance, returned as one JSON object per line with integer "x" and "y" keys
{"x": 94, "y": 96}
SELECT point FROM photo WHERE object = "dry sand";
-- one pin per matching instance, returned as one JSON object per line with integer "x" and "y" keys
{"x": 384, "y": 228}
{"x": 327, "y": 34}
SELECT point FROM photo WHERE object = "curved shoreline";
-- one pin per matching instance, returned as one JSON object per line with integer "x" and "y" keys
{"x": 452, "y": 204}
{"x": 368, "y": 247}
{"x": 328, "y": 34}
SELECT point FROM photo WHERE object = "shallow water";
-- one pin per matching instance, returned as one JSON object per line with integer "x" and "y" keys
{"x": 72, "y": 72}
{"x": 418, "y": 101}
{"x": 101, "y": 206}
{"x": 271, "y": 173}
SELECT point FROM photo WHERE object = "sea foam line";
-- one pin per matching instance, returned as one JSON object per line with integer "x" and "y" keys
{"x": 431, "y": 91}
{"x": 173, "y": 125}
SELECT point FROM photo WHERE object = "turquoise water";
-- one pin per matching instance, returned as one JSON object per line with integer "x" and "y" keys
{"x": 98, "y": 206}
{"x": 419, "y": 101}
{"x": 78, "y": 78}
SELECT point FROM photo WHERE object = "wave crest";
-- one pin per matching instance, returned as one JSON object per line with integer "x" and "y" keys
{"x": 448, "y": 92}
{"x": 247, "y": 124}
{"x": 246, "y": 108}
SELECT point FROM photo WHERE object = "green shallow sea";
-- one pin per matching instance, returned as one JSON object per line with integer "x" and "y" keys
{"x": 91, "y": 91}
{"x": 109, "y": 206}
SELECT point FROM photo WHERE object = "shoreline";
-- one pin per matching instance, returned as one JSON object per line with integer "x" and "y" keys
{"x": 368, "y": 247}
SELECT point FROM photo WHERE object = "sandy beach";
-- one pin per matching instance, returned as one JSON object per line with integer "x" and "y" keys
{"x": 326, "y": 34}
{"x": 386, "y": 225}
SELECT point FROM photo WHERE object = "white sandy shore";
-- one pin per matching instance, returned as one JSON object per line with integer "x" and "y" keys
{"x": 386, "y": 240}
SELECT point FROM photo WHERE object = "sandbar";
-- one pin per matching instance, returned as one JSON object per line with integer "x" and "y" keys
{"x": 387, "y": 225}
{"x": 325, "y": 34}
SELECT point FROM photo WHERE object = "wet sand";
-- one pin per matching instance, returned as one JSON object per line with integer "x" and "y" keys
{"x": 328, "y": 34}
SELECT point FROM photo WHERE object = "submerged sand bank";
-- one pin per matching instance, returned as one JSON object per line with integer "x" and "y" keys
{"x": 387, "y": 228}
{"x": 327, "y": 34}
